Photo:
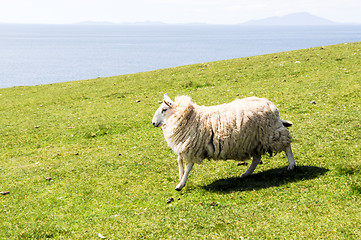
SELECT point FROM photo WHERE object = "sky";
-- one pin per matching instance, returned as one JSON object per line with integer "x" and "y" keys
{"x": 172, "y": 11}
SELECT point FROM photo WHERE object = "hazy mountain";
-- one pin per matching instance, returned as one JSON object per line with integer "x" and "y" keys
{"x": 93, "y": 23}
{"x": 145, "y": 23}
{"x": 149, "y": 23}
{"x": 302, "y": 18}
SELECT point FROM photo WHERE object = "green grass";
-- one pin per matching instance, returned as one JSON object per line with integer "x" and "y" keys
{"x": 112, "y": 172}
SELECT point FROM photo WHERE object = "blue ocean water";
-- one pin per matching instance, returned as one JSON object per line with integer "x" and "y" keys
{"x": 42, "y": 54}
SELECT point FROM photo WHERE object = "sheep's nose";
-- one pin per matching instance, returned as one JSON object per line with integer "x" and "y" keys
{"x": 153, "y": 124}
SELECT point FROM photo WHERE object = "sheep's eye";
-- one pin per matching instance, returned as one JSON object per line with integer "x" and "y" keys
{"x": 164, "y": 110}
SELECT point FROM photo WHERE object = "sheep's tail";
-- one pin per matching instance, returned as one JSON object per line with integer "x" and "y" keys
{"x": 286, "y": 123}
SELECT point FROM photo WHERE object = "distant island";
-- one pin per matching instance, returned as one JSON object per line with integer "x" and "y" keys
{"x": 146, "y": 23}
{"x": 295, "y": 19}
{"x": 149, "y": 23}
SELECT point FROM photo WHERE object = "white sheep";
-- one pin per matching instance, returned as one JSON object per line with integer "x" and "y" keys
{"x": 238, "y": 130}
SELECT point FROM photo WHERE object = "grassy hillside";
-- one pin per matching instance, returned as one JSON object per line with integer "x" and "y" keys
{"x": 82, "y": 158}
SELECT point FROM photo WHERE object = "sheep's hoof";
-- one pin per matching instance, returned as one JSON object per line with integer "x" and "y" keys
{"x": 179, "y": 187}
{"x": 243, "y": 175}
{"x": 291, "y": 167}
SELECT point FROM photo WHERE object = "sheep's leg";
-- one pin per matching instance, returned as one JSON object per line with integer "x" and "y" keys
{"x": 291, "y": 159}
{"x": 183, "y": 181}
{"x": 180, "y": 166}
{"x": 252, "y": 167}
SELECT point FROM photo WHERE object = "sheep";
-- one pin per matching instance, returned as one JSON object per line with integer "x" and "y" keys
{"x": 239, "y": 130}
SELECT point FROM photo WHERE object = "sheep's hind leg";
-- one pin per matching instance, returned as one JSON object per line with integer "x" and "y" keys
{"x": 252, "y": 167}
{"x": 291, "y": 159}
{"x": 183, "y": 181}
{"x": 180, "y": 166}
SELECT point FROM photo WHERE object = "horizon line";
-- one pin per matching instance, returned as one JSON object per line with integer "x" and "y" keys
{"x": 251, "y": 22}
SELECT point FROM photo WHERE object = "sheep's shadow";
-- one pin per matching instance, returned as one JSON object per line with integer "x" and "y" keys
{"x": 270, "y": 178}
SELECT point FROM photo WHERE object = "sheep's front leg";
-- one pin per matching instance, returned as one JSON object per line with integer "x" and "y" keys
{"x": 252, "y": 167}
{"x": 180, "y": 166}
{"x": 183, "y": 181}
{"x": 291, "y": 159}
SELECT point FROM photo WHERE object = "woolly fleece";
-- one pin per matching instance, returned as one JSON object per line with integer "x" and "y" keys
{"x": 237, "y": 130}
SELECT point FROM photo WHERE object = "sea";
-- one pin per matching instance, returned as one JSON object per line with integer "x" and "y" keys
{"x": 44, "y": 54}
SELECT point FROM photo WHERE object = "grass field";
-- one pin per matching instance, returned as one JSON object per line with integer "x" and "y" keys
{"x": 82, "y": 158}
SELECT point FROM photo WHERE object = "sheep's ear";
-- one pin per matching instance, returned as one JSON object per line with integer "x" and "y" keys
{"x": 167, "y": 100}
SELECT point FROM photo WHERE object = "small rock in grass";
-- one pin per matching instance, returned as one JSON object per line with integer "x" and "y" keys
{"x": 169, "y": 200}
{"x": 101, "y": 236}
{"x": 213, "y": 204}
{"x": 48, "y": 179}
{"x": 137, "y": 101}
{"x": 4, "y": 193}
{"x": 313, "y": 102}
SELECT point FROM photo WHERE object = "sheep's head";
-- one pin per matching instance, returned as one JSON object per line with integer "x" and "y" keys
{"x": 163, "y": 112}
